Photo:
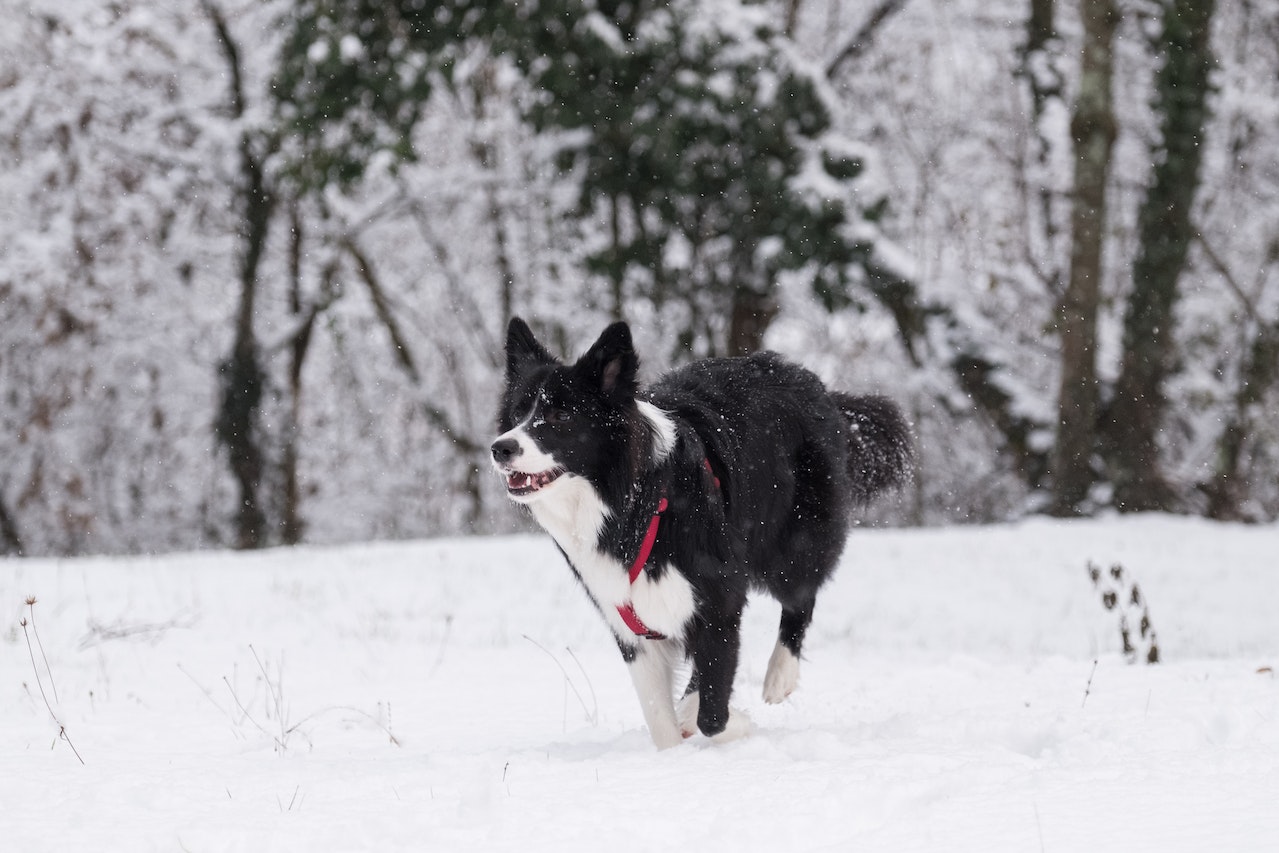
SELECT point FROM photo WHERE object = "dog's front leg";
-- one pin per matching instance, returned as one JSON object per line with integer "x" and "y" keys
{"x": 715, "y": 653}
{"x": 652, "y": 669}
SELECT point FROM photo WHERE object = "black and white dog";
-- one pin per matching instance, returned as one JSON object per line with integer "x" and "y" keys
{"x": 671, "y": 504}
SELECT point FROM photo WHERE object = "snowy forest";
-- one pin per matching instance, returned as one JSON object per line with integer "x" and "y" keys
{"x": 257, "y": 257}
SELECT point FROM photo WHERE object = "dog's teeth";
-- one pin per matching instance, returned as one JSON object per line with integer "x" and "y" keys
{"x": 522, "y": 481}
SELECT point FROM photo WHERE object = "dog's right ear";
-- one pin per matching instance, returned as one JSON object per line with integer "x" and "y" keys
{"x": 522, "y": 349}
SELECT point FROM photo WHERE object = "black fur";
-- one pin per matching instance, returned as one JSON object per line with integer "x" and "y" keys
{"x": 792, "y": 462}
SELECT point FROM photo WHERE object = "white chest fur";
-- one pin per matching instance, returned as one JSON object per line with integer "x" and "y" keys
{"x": 573, "y": 515}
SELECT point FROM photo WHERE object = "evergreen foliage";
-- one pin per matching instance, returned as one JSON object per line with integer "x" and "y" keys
{"x": 688, "y": 127}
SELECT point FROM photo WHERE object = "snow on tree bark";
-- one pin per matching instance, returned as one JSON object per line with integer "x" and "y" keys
{"x": 1165, "y": 232}
{"x": 1093, "y": 128}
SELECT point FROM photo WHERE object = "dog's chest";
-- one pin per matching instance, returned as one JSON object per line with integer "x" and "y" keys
{"x": 574, "y": 520}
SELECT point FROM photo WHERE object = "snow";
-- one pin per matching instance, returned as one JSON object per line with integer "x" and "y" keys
{"x": 463, "y": 695}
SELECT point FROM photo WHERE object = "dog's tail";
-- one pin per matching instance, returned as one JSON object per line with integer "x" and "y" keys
{"x": 879, "y": 445}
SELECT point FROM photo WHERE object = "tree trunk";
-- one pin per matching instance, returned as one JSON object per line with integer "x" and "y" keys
{"x": 485, "y": 153}
{"x": 291, "y": 523}
{"x": 1093, "y": 129}
{"x": 1229, "y": 484}
{"x": 1164, "y": 232}
{"x": 10, "y": 541}
{"x": 236, "y": 428}
{"x": 1039, "y": 66}
{"x": 791, "y": 17}
{"x": 1259, "y": 374}
{"x": 242, "y": 377}
{"x": 752, "y": 313}
{"x": 617, "y": 269}
{"x": 1041, "y": 32}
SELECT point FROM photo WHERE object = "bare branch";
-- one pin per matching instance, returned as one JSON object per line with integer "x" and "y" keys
{"x": 370, "y": 278}
{"x": 1219, "y": 265}
{"x": 862, "y": 39}
{"x": 230, "y": 51}
{"x": 437, "y": 417}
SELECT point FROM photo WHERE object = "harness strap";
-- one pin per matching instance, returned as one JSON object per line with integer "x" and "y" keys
{"x": 706, "y": 463}
{"x": 650, "y": 539}
{"x": 637, "y": 626}
{"x": 627, "y": 610}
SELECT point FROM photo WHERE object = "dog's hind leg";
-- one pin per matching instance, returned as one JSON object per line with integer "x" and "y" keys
{"x": 782, "y": 676}
{"x": 652, "y": 669}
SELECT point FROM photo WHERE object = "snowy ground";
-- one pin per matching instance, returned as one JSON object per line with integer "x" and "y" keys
{"x": 462, "y": 695}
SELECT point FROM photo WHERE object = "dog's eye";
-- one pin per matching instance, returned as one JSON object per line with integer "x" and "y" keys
{"x": 559, "y": 416}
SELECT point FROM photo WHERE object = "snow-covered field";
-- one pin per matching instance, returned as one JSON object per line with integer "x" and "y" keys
{"x": 463, "y": 695}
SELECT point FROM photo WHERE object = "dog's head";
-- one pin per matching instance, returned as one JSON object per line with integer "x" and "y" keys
{"x": 559, "y": 421}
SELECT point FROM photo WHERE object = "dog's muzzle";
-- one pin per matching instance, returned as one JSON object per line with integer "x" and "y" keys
{"x": 504, "y": 450}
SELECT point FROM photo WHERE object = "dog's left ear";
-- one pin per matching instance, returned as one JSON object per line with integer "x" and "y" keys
{"x": 611, "y": 363}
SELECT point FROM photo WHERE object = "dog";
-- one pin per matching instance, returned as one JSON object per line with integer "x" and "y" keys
{"x": 724, "y": 477}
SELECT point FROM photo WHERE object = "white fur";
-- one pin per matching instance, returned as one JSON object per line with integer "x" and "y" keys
{"x": 530, "y": 460}
{"x": 686, "y": 712}
{"x": 652, "y": 672}
{"x": 663, "y": 429}
{"x": 665, "y": 605}
{"x": 783, "y": 674}
{"x": 571, "y": 511}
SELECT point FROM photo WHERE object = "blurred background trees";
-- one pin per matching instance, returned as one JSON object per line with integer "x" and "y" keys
{"x": 255, "y": 263}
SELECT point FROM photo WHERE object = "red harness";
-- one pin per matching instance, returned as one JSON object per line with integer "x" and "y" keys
{"x": 627, "y": 610}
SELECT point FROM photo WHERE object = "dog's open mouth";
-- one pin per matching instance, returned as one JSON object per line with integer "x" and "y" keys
{"x": 522, "y": 483}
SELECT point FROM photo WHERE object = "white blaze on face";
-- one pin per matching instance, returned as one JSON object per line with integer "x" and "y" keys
{"x": 531, "y": 458}
{"x": 528, "y": 471}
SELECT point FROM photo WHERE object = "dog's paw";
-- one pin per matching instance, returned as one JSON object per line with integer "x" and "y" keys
{"x": 739, "y": 726}
{"x": 686, "y": 713}
{"x": 666, "y": 737}
{"x": 783, "y": 675}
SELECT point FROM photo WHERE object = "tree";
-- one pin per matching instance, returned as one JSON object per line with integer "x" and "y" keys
{"x": 1093, "y": 128}
{"x": 1165, "y": 236}
{"x": 701, "y": 152}
{"x": 114, "y": 254}
{"x": 1039, "y": 66}
{"x": 237, "y": 425}
{"x": 1235, "y": 266}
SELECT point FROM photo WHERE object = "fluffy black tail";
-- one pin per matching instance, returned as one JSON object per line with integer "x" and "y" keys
{"x": 878, "y": 443}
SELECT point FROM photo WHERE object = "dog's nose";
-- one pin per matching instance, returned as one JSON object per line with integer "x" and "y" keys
{"x": 505, "y": 449}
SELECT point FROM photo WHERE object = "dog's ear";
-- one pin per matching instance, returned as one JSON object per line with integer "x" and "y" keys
{"x": 611, "y": 363}
{"x": 522, "y": 349}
